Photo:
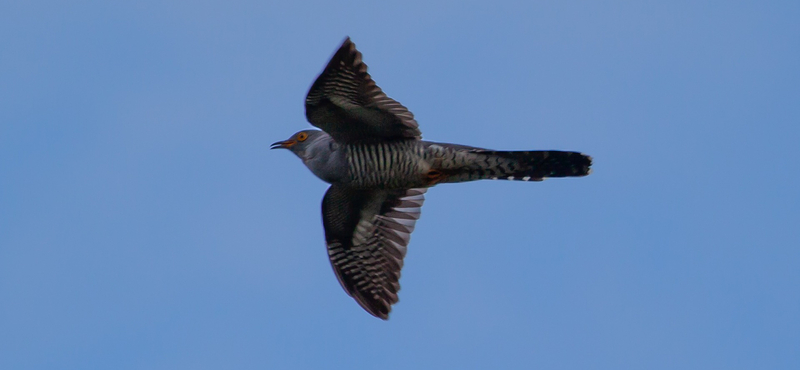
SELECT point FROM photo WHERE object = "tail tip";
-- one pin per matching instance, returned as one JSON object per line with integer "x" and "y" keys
{"x": 587, "y": 165}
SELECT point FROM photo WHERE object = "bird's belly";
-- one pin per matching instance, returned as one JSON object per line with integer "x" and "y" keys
{"x": 392, "y": 165}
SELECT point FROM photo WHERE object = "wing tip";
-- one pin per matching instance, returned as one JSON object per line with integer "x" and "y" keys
{"x": 348, "y": 54}
{"x": 376, "y": 307}
{"x": 381, "y": 315}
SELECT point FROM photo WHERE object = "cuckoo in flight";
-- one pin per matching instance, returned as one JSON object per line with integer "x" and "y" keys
{"x": 371, "y": 151}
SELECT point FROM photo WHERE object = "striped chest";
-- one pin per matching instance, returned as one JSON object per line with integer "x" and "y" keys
{"x": 396, "y": 164}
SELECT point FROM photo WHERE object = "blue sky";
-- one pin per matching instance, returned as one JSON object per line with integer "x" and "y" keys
{"x": 144, "y": 224}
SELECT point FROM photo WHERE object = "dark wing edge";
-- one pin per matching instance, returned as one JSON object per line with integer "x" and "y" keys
{"x": 346, "y": 103}
{"x": 367, "y": 234}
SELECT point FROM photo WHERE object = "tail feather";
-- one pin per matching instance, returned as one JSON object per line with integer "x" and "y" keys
{"x": 479, "y": 164}
{"x": 538, "y": 165}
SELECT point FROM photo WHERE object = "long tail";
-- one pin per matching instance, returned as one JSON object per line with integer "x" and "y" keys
{"x": 468, "y": 164}
{"x": 538, "y": 165}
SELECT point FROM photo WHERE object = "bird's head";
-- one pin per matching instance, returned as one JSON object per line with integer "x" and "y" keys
{"x": 299, "y": 142}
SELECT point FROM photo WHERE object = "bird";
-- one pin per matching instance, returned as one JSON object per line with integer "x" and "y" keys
{"x": 369, "y": 148}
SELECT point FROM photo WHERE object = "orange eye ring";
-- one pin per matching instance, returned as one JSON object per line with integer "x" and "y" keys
{"x": 302, "y": 136}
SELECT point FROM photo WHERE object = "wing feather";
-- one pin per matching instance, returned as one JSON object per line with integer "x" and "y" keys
{"x": 367, "y": 233}
{"x": 346, "y": 103}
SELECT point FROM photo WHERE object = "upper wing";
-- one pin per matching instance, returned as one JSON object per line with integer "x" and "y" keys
{"x": 346, "y": 103}
{"x": 367, "y": 232}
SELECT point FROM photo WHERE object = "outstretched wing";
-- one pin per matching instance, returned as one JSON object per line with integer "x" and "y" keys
{"x": 367, "y": 232}
{"x": 346, "y": 103}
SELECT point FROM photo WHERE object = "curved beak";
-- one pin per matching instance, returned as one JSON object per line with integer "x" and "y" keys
{"x": 282, "y": 144}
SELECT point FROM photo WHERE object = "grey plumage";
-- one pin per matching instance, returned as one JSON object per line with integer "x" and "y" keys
{"x": 370, "y": 151}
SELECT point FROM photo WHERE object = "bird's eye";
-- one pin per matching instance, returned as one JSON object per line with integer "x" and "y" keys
{"x": 302, "y": 136}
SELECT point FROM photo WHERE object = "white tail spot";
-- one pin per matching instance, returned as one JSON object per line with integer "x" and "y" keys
{"x": 526, "y": 178}
{"x": 511, "y": 177}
